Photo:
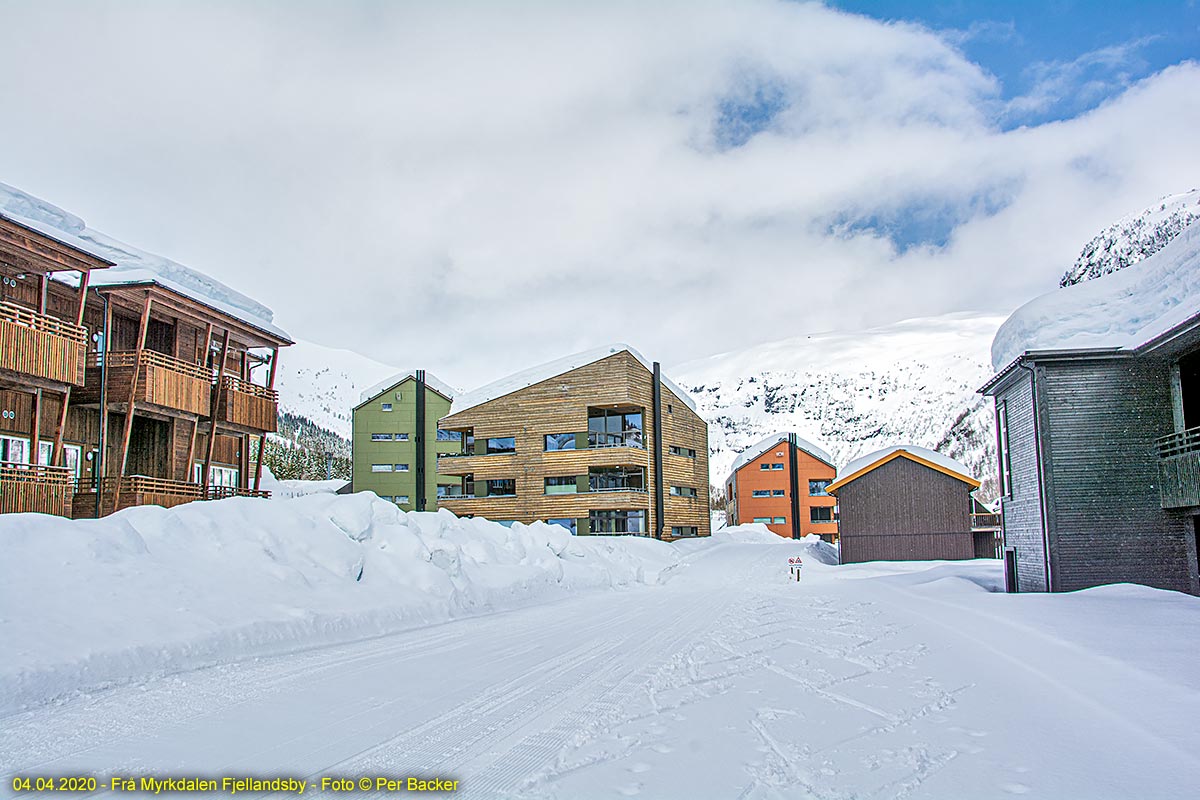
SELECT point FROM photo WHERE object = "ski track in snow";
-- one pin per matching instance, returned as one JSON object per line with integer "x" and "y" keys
{"x": 728, "y": 681}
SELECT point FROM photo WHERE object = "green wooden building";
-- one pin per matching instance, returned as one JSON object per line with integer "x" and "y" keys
{"x": 396, "y": 441}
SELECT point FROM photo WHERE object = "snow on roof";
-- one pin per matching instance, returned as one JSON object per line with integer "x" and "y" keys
{"x": 544, "y": 372}
{"x": 133, "y": 266}
{"x": 755, "y": 450}
{"x": 932, "y": 456}
{"x": 1123, "y": 310}
{"x": 444, "y": 389}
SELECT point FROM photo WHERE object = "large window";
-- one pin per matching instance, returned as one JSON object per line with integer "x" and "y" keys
{"x": 560, "y": 441}
{"x": 501, "y": 444}
{"x": 821, "y": 514}
{"x": 1005, "y": 458}
{"x": 817, "y": 488}
{"x": 614, "y": 428}
{"x": 616, "y": 479}
{"x": 449, "y": 436}
{"x": 617, "y": 521}
{"x": 562, "y": 484}
{"x": 502, "y": 487}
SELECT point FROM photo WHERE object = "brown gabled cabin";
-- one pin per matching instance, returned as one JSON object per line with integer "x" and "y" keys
{"x": 137, "y": 391}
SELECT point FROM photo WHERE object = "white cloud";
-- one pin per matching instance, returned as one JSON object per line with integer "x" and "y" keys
{"x": 474, "y": 188}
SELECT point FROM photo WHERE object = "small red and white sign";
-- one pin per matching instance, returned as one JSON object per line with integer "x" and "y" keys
{"x": 795, "y": 561}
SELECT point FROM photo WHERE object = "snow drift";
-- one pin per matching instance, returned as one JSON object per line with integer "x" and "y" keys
{"x": 149, "y": 591}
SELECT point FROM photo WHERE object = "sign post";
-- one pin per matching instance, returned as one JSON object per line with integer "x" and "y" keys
{"x": 795, "y": 563}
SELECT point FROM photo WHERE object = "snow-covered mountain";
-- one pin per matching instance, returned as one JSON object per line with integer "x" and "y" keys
{"x": 853, "y": 392}
{"x": 1134, "y": 237}
{"x": 322, "y": 383}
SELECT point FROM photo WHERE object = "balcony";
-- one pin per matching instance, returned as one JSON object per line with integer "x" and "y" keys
{"x": 36, "y": 489}
{"x": 247, "y": 405}
{"x": 135, "y": 490}
{"x": 986, "y": 522}
{"x": 1179, "y": 469}
{"x": 40, "y": 346}
{"x": 163, "y": 381}
{"x": 599, "y": 441}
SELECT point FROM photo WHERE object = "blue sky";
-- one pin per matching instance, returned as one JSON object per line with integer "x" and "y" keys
{"x": 1080, "y": 53}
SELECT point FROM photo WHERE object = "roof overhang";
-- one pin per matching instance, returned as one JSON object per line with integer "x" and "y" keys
{"x": 34, "y": 251}
{"x": 840, "y": 482}
{"x": 196, "y": 311}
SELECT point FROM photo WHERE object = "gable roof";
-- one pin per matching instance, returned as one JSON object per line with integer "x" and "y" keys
{"x": 132, "y": 266}
{"x": 431, "y": 382}
{"x": 757, "y": 449}
{"x": 920, "y": 455}
{"x": 551, "y": 369}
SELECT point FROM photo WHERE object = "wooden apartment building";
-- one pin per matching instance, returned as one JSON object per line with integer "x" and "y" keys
{"x": 138, "y": 388}
{"x": 599, "y": 443}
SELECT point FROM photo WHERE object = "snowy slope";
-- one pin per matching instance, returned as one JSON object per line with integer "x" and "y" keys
{"x": 854, "y": 392}
{"x": 1134, "y": 237}
{"x": 323, "y": 384}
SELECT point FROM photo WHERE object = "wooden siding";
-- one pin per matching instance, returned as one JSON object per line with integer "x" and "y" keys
{"x": 247, "y": 405}
{"x": 170, "y": 384}
{"x": 559, "y": 405}
{"x": 43, "y": 490}
{"x": 41, "y": 346}
{"x": 905, "y": 511}
{"x": 1105, "y": 518}
{"x": 1023, "y": 510}
{"x": 136, "y": 490}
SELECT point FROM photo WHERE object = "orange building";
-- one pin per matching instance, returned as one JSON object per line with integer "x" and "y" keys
{"x": 761, "y": 488}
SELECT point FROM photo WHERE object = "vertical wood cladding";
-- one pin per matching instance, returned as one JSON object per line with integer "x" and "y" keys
{"x": 903, "y": 510}
{"x": 1023, "y": 509}
{"x": 559, "y": 405}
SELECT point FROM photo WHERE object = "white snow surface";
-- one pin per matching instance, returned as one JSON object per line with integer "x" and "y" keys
{"x": 1121, "y": 310}
{"x": 149, "y": 591}
{"x": 728, "y": 679}
{"x": 551, "y": 369}
{"x": 133, "y": 265}
{"x": 920, "y": 452}
{"x": 758, "y": 448}
{"x": 431, "y": 381}
{"x": 854, "y": 391}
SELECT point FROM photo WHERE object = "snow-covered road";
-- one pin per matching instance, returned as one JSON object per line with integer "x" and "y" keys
{"x": 728, "y": 681}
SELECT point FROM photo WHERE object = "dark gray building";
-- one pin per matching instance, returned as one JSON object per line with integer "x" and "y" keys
{"x": 904, "y": 503}
{"x": 1100, "y": 463}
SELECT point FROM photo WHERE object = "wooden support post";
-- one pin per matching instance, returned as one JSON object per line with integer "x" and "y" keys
{"x": 35, "y": 434}
{"x": 191, "y": 451}
{"x": 85, "y": 276}
{"x": 56, "y": 453}
{"x": 262, "y": 440}
{"x": 213, "y": 409}
{"x": 133, "y": 383}
{"x": 203, "y": 356}
{"x": 43, "y": 287}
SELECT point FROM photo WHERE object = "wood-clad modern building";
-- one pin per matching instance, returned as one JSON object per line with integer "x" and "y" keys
{"x": 1100, "y": 463}
{"x": 598, "y": 442}
{"x": 782, "y": 482}
{"x": 137, "y": 380}
{"x": 904, "y": 503}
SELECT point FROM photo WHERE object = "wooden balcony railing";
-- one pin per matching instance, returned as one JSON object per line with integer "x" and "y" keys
{"x": 41, "y": 346}
{"x": 986, "y": 522}
{"x": 35, "y": 488}
{"x": 247, "y": 405}
{"x": 1179, "y": 469}
{"x": 221, "y": 492}
{"x": 164, "y": 381}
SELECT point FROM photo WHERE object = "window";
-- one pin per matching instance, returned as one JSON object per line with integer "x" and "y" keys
{"x": 685, "y": 530}
{"x": 402, "y": 500}
{"x": 401, "y": 437}
{"x": 764, "y": 520}
{"x": 563, "y": 484}
{"x": 764, "y": 466}
{"x": 449, "y": 436}
{"x": 560, "y": 441}
{"x": 1005, "y": 458}
{"x": 617, "y": 521}
{"x": 616, "y": 479}
{"x": 381, "y": 437}
{"x": 14, "y": 450}
{"x": 777, "y": 493}
{"x": 402, "y": 468}
{"x": 501, "y": 444}
{"x": 220, "y": 476}
{"x": 817, "y": 488}
{"x": 387, "y": 497}
{"x": 382, "y": 467}
{"x": 44, "y": 450}
{"x": 608, "y": 428}
{"x": 686, "y": 452}
{"x": 502, "y": 487}
{"x": 781, "y": 520}
{"x": 683, "y": 491}
{"x": 386, "y": 406}
{"x": 567, "y": 522}
{"x": 761, "y": 493}
{"x": 777, "y": 467}
{"x": 821, "y": 514}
